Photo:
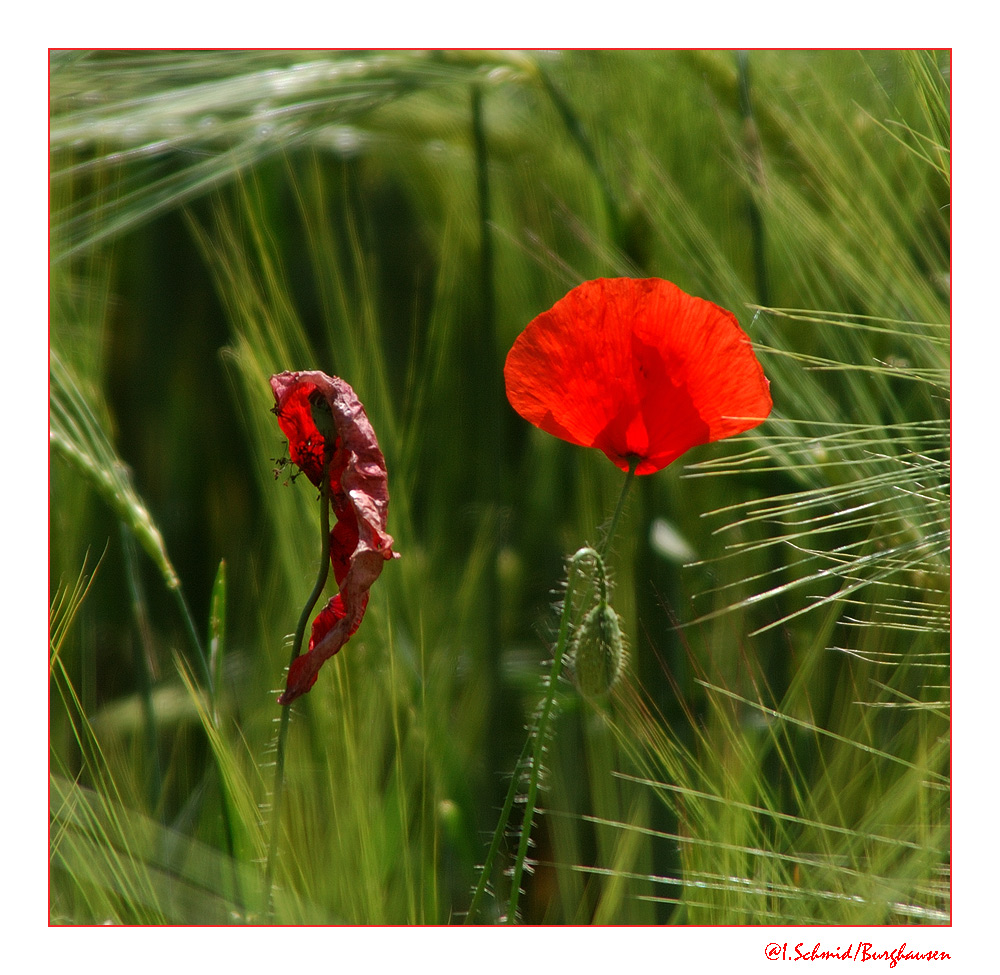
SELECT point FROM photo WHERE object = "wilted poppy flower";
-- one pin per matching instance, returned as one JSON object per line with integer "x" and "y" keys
{"x": 638, "y": 369}
{"x": 311, "y": 407}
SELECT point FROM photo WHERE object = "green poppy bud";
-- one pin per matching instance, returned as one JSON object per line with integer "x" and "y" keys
{"x": 598, "y": 652}
{"x": 322, "y": 416}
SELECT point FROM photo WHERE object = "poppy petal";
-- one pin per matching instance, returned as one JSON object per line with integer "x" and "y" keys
{"x": 636, "y": 367}
{"x": 305, "y": 668}
{"x": 359, "y": 496}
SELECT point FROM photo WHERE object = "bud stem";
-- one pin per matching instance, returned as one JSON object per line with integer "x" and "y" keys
{"x": 541, "y": 730}
{"x": 536, "y": 741}
{"x": 279, "y": 760}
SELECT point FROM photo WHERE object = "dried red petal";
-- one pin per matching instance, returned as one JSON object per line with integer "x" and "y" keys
{"x": 305, "y": 668}
{"x": 359, "y": 496}
{"x": 636, "y": 368}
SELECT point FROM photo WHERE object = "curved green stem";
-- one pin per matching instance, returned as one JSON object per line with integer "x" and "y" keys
{"x": 535, "y": 743}
{"x": 279, "y": 760}
{"x": 540, "y": 733}
{"x": 539, "y": 737}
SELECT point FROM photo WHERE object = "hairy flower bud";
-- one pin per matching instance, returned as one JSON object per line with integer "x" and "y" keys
{"x": 598, "y": 652}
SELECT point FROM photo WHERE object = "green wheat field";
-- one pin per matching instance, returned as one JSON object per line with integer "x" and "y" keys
{"x": 778, "y": 750}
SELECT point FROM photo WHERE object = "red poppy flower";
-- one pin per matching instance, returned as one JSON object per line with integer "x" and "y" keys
{"x": 636, "y": 368}
{"x": 310, "y": 407}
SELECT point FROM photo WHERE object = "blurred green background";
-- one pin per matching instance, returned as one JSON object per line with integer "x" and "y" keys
{"x": 778, "y": 752}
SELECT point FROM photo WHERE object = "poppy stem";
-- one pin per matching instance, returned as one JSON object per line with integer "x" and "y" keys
{"x": 279, "y": 759}
{"x": 540, "y": 732}
{"x": 633, "y": 463}
{"x": 538, "y": 738}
